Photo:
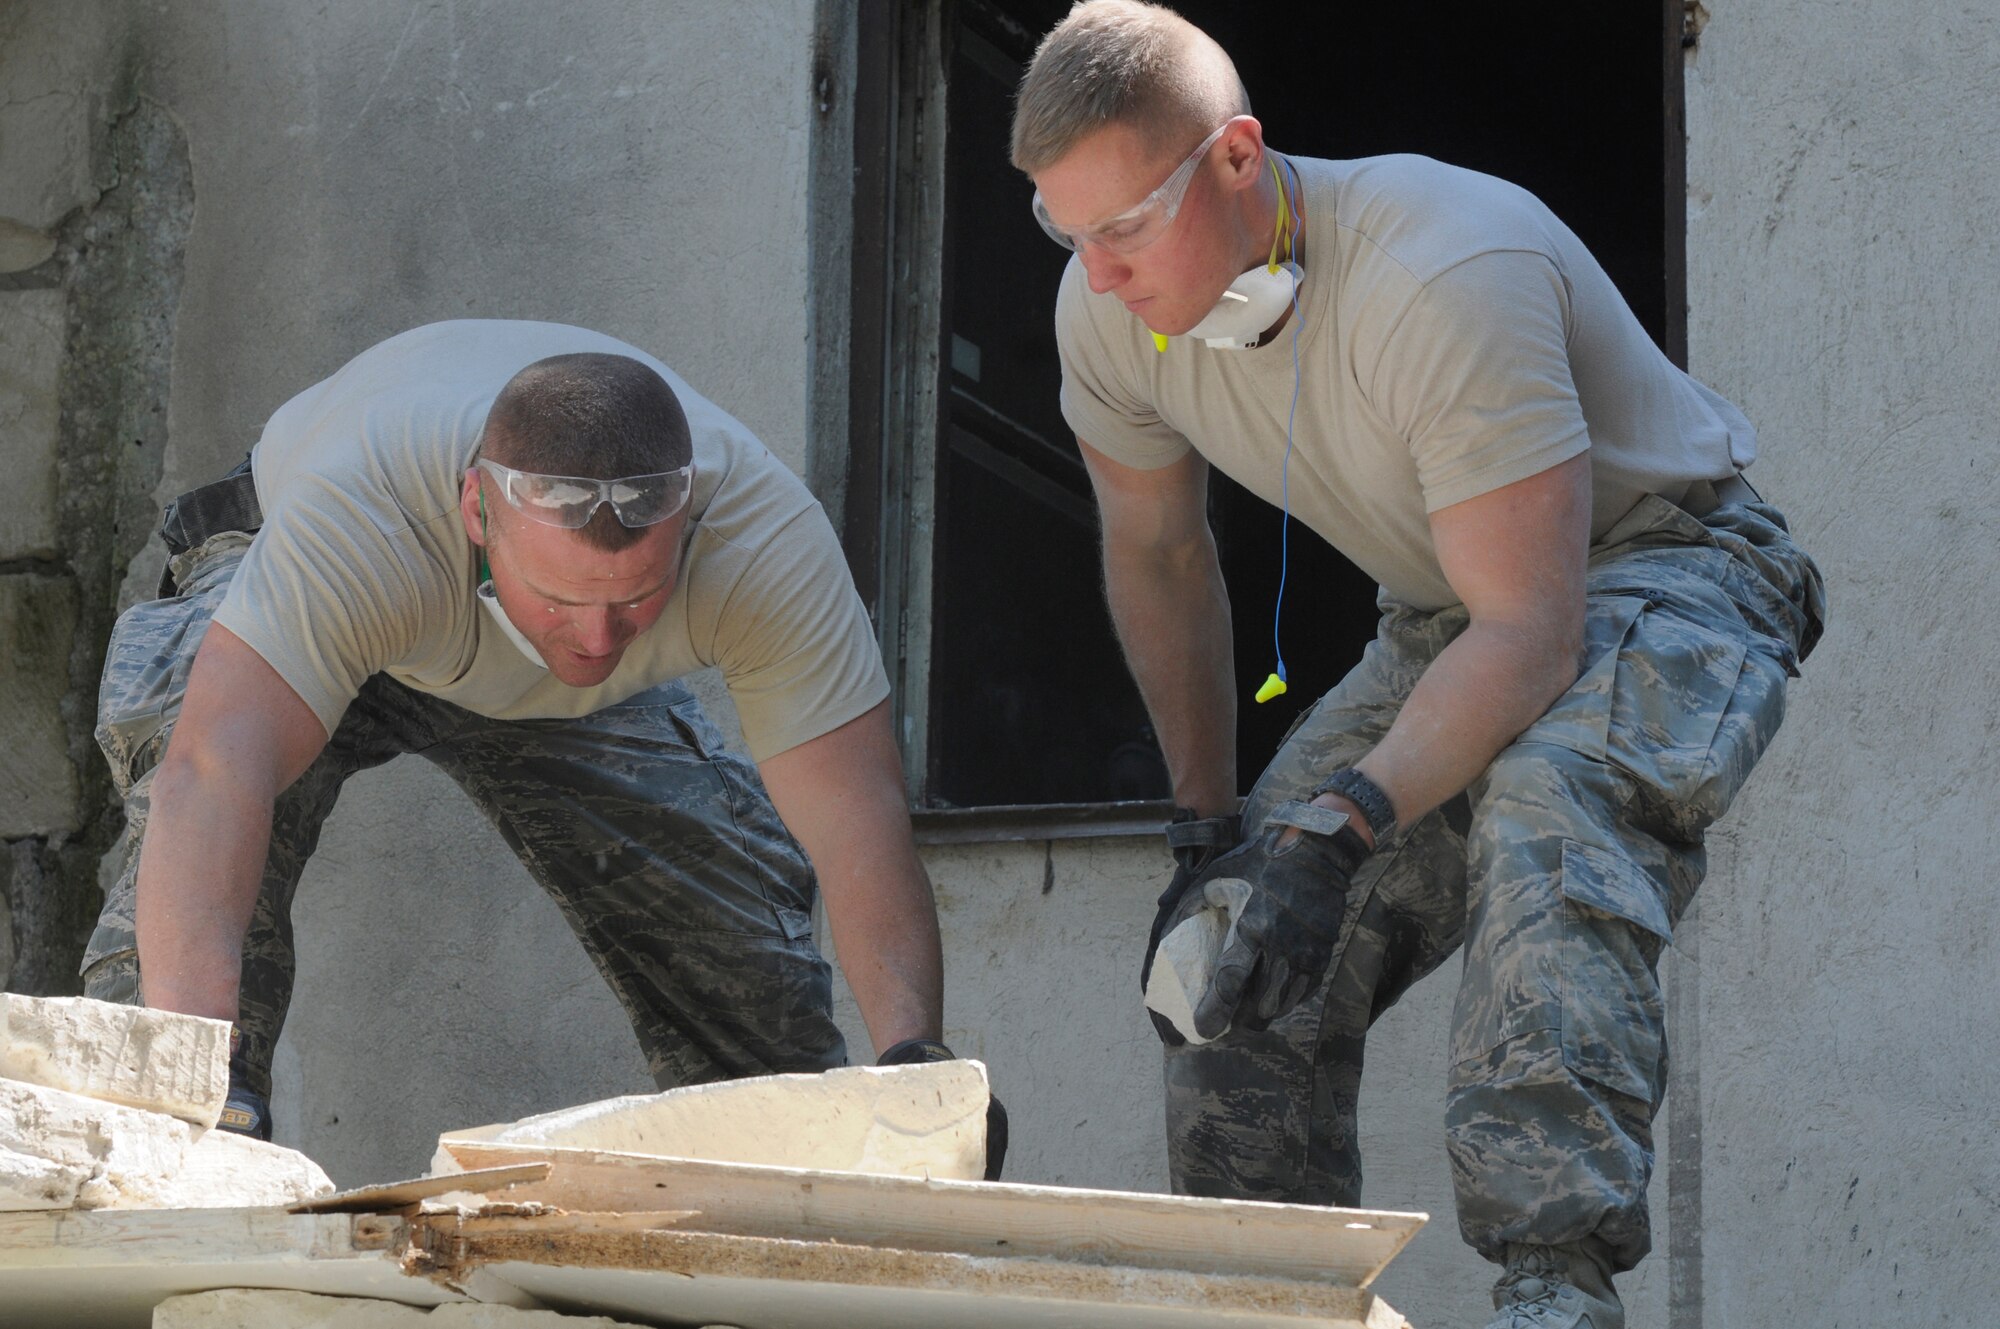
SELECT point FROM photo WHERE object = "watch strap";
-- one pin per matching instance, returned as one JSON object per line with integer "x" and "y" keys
{"x": 1364, "y": 793}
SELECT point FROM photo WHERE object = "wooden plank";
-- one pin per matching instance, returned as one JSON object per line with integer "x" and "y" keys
{"x": 404, "y": 1194}
{"x": 685, "y": 1277}
{"x": 110, "y": 1267}
{"x": 1342, "y": 1247}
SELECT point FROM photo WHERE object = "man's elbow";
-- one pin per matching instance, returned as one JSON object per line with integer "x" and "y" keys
{"x": 1561, "y": 653}
{"x": 200, "y": 769}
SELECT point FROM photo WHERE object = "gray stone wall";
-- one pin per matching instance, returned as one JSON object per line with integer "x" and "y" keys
{"x": 1844, "y": 286}
{"x": 95, "y": 208}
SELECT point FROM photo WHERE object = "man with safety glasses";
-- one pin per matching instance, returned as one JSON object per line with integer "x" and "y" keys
{"x": 1588, "y": 622}
{"x": 498, "y": 545}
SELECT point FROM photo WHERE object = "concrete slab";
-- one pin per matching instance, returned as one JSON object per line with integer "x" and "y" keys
{"x": 226, "y": 1171}
{"x": 255, "y": 1308}
{"x": 109, "y": 1269}
{"x": 60, "y": 1150}
{"x": 903, "y": 1120}
{"x": 160, "y": 1061}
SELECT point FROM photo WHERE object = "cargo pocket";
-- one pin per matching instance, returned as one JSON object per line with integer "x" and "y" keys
{"x": 146, "y": 666}
{"x": 1675, "y": 680}
{"x": 147, "y": 660}
{"x": 1613, "y": 1016}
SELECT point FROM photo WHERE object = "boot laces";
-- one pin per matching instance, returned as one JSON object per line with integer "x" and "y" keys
{"x": 1534, "y": 1279}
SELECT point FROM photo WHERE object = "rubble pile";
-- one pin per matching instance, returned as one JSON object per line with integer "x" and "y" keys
{"x": 114, "y": 1107}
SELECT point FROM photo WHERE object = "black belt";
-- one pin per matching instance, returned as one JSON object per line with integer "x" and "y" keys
{"x": 228, "y": 504}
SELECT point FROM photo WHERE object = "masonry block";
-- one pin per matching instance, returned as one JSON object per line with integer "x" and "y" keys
{"x": 927, "y": 1120}
{"x": 38, "y": 788}
{"x": 31, "y": 351}
{"x": 226, "y": 1171}
{"x": 161, "y": 1061}
{"x": 65, "y": 1151}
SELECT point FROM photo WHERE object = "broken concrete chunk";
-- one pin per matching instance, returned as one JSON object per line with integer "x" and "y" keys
{"x": 60, "y": 1150}
{"x": 226, "y": 1171}
{"x": 927, "y": 1120}
{"x": 157, "y": 1060}
{"x": 1183, "y": 966}
{"x": 251, "y": 1308}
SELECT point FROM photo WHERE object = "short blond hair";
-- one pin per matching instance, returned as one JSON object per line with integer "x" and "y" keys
{"x": 1122, "y": 62}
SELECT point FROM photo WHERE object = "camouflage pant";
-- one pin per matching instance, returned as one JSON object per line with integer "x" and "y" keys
{"x": 659, "y": 845}
{"x": 1561, "y": 871}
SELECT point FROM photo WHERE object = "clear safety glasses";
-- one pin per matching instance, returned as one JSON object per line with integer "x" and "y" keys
{"x": 571, "y": 500}
{"x": 1134, "y": 228}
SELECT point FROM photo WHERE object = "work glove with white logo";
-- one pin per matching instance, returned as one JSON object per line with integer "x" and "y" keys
{"x": 1284, "y": 908}
{"x": 922, "y": 1051}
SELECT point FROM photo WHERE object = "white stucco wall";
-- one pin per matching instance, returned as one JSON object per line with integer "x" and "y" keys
{"x": 1844, "y": 286}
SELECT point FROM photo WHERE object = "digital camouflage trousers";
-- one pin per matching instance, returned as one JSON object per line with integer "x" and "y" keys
{"x": 659, "y": 845}
{"x": 1561, "y": 872}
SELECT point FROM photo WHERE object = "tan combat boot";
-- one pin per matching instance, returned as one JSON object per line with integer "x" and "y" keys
{"x": 1556, "y": 1287}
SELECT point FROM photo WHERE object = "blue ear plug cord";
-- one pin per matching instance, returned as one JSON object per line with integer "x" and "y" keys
{"x": 1275, "y": 685}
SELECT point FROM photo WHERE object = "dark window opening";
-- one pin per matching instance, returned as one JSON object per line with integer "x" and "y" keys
{"x": 1029, "y": 698}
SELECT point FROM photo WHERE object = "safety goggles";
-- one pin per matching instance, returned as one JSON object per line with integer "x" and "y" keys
{"x": 1134, "y": 228}
{"x": 572, "y": 500}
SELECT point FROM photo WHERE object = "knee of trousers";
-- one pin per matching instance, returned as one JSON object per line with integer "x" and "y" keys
{"x": 1559, "y": 1040}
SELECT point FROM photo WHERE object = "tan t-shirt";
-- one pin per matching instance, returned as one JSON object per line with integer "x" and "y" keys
{"x": 1456, "y": 337}
{"x": 363, "y": 566}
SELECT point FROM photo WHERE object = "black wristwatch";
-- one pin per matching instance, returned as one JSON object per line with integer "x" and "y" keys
{"x": 1365, "y": 794}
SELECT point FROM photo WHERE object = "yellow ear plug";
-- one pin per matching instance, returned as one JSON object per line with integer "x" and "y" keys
{"x": 1160, "y": 342}
{"x": 1273, "y": 687}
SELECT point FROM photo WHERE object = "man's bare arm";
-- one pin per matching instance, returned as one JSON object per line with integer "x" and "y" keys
{"x": 1171, "y": 611}
{"x": 1516, "y": 558}
{"x": 242, "y": 737}
{"x": 841, "y": 796}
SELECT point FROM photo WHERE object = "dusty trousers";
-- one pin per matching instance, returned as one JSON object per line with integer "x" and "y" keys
{"x": 659, "y": 845}
{"x": 1561, "y": 872}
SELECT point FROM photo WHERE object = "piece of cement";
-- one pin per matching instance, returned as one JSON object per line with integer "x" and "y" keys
{"x": 60, "y": 1150}
{"x": 159, "y": 1061}
{"x": 223, "y": 1170}
{"x": 1183, "y": 967}
{"x": 254, "y": 1308}
{"x": 927, "y": 1120}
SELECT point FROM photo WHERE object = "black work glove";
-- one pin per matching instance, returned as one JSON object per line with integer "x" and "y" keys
{"x": 922, "y": 1051}
{"x": 1194, "y": 842}
{"x": 244, "y": 1111}
{"x": 1285, "y": 907}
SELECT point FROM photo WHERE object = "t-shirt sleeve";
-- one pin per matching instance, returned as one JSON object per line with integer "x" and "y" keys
{"x": 325, "y": 601}
{"x": 794, "y": 642}
{"x": 1102, "y": 396}
{"x": 1475, "y": 374}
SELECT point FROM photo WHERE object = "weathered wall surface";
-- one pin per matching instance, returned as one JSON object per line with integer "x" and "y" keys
{"x": 95, "y": 208}
{"x": 203, "y": 209}
{"x": 1844, "y": 286}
